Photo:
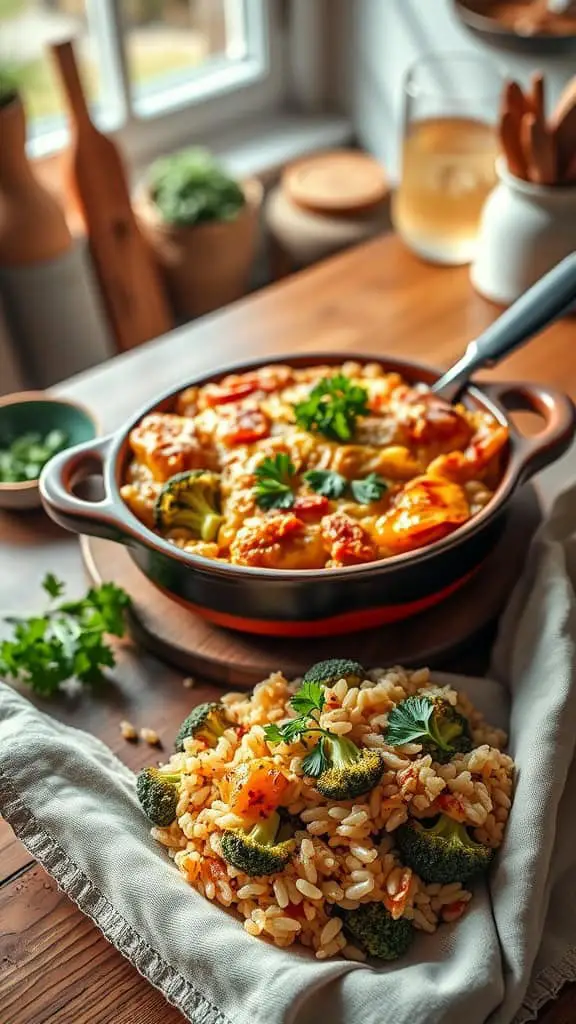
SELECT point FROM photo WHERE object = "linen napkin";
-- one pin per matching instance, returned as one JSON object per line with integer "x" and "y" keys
{"x": 74, "y": 806}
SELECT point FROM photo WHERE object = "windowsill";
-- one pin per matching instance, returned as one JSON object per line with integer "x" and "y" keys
{"x": 260, "y": 147}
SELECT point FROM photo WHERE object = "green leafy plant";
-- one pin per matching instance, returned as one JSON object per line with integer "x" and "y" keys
{"x": 332, "y": 408}
{"x": 274, "y": 478}
{"x": 190, "y": 187}
{"x": 67, "y": 642}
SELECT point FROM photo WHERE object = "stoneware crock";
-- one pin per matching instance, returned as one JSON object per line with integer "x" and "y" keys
{"x": 525, "y": 230}
{"x": 310, "y": 602}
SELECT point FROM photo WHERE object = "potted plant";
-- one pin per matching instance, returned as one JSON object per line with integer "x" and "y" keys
{"x": 203, "y": 228}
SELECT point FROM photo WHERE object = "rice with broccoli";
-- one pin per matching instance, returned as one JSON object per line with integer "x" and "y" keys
{"x": 341, "y": 811}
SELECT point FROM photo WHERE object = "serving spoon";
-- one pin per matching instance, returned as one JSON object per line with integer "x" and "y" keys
{"x": 538, "y": 307}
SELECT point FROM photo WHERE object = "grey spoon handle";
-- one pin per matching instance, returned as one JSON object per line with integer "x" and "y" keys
{"x": 546, "y": 300}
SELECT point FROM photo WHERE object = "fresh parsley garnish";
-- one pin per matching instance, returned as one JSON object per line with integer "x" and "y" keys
{"x": 326, "y": 482}
{"x": 23, "y": 458}
{"x": 309, "y": 698}
{"x": 316, "y": 761}
{"x": 308, "y": 701}
{"x": 370, "y": 489}
{"x": 274, "y": 482}
{"x": 409, "y": 721}
{"x": 332, "y": 407}
{"x": 67, "y": 642}
{"x": 334, "y": 485}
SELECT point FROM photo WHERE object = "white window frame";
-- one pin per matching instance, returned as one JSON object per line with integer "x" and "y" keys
{"x": 221, "y": 94}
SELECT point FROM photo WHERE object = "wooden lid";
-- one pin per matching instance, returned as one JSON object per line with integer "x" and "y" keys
{"x": 338, "y": 182}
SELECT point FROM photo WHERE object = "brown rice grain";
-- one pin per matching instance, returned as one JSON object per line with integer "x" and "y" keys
{"x": 330, "y": 930}
{"x": 281, "y": 893}
{"x": 311, "y": 892}
{"x": 309, "y": 911}
{"x": 286, "y": 924}
{"x": 359, "y": 889}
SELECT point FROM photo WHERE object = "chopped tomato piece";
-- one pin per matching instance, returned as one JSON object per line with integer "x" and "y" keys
{"x": 396, "y": 904}
{"x": 453, "y": 911}
{"x": 295, "y": 911}
{"x": 243, "y": 426}
{"x": 450, "y": 805}
{"x": 346, "y": 540}
{"x": 221, "y": 394}
{"x": 234, "y": 387}
{"x": 311, "y": 506}
{"x": 257, "y": 789}
{"x": 425, "y": 511}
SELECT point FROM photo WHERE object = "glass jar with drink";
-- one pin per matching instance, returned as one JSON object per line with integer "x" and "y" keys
{"x": 449, "y": 152}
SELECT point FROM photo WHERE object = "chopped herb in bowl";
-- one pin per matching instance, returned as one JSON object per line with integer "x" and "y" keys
{"x": 23, "y": 458}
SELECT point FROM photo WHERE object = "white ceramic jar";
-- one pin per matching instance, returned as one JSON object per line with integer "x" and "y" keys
{"x": 524, "y": 231}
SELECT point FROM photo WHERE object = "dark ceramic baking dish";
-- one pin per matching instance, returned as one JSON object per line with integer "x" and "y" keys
{"x": 315, "y": 602}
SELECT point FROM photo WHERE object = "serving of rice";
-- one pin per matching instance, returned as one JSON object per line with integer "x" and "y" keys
{"x": 345, "y": 850}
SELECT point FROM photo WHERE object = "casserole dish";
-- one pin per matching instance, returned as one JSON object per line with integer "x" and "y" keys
{"x": 315, "y": 602}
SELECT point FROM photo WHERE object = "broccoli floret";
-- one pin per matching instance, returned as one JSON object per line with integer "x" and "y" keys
{"x": 257, "y": 852}
{"x": 157, "y": 791}
{"x": 431, "y": 721}
{"x": 348, "y": 771}
{"x": 327, "y": 673}
{"x": 205, "y": 721}
{"x": 190, "y": 500}
{"x": 444, "y": 852}
{"x": 373, "y": 928}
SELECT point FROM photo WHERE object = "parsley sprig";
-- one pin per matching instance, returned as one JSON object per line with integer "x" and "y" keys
{"x": 274, "y": 482}
{"x": 334, "y": 485}
{"x": 332, "y": 407}
{"x": 67, "y": 642}
{"x": 308, "y": 702}
{"x": 370, "y": 489}
{"x": 410, "y": 721}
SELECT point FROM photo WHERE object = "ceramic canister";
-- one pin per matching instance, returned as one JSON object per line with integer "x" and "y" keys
{"x": 525, "y": 230}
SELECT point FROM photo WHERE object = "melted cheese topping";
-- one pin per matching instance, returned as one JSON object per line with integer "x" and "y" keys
{"x": 440, "y": 464}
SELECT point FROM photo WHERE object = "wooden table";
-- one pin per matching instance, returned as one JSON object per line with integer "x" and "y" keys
{"x": 54, "y": 964}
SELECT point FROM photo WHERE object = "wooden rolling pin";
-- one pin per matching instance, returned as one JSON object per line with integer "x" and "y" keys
{"x": 131, "y": 287}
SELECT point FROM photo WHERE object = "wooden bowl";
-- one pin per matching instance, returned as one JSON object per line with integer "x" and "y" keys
{"x": 31, "y": 412}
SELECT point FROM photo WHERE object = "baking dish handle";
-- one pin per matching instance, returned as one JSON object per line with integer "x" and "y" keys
{"x": 57, "y": 482}
{"x": 531, "y": 453}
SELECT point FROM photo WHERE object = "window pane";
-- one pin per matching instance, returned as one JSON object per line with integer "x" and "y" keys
{"x": 26, "y": 28}
{"x": 171, "y": 41}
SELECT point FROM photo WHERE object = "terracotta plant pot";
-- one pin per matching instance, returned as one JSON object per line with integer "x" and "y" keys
{"x": 205, "y": 266}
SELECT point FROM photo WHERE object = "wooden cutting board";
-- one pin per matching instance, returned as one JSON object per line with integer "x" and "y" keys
{"x": 231, "y": 659}
{"x": 130, "y": 283}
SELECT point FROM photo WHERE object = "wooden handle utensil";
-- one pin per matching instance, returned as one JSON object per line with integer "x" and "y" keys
{"x": 511, "y": 144}
{"x": 129, "y": 280}
{"x": 564, "y": 130}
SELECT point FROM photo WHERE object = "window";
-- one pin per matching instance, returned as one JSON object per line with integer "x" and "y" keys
{"x": 160, "y": 72}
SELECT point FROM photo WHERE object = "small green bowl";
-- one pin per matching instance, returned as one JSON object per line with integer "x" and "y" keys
{"x": 36, "y": 412}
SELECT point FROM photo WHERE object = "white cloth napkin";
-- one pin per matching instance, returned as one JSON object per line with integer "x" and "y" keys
{"x": 74, "y": 806}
